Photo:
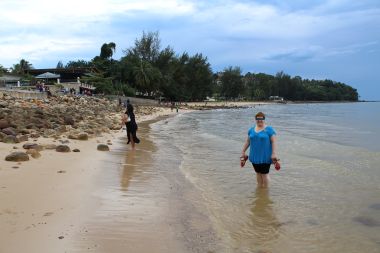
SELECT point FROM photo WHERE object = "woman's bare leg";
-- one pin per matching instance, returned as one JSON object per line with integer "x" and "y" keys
{"x": 132, "y": 141}
{"x": 259, "y": 180}
{"x": 265, "y": 180}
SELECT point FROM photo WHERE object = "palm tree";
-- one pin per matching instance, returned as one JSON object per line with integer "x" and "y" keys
{"x": 22, "y": 67}
{"x": 107, "y": 50}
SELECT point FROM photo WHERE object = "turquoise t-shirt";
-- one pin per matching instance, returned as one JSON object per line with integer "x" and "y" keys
{"x": 260, "y": 150}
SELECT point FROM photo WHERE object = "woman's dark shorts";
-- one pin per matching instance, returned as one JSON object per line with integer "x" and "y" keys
{"x": 262, "y": 168}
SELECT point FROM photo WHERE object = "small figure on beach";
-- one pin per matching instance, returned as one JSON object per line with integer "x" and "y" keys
{"x": 262, "y": 153}
{"x": 131, "y": 125}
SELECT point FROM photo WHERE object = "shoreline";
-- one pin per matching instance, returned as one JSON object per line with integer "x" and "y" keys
{"x": 44, "y": 201}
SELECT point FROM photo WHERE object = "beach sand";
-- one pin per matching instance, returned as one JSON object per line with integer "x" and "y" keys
{"x": 76, "y": 202}
{"x": 45, "y": 201}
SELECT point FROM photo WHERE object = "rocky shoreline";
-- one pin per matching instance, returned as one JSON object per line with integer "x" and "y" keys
{"x": 58, "y": 118}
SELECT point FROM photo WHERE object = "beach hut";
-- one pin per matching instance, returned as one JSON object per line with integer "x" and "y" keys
{"x": 48, "y": 75}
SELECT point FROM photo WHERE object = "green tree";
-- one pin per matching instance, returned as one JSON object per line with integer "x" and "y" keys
{"x": 232, "y": 83}
{"x": 78, "y": 64}
{"x": 60, "y": 65}
{"x": 107, "y": 50}
{"x": 22, "y": 67}
{"x": 2, "y": 70}
{"x": 147, "y": 48}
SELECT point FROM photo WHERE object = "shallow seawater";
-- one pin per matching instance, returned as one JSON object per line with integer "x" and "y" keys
{"x": 182, "y": 189}
{"x": 326, "y": 197}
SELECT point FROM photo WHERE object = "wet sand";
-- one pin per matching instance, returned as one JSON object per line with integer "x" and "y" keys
{"x": 146, "y": 207}
{"x": 117, "y": 201}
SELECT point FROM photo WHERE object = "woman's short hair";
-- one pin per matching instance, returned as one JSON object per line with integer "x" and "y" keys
{"x": 260, "y": 115}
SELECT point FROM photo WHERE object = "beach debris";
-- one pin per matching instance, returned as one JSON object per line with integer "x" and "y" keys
{"x": 367, "y": 221}
{"x": 61, "y": 171}
{"x": 103, "y": 147}
{"x": 62, "y": 148}
{"x": 61, "y": 237}
{"x": 15, "y": 167}
{"x": 17, "y": 157}
{"x": 76, "y": 150}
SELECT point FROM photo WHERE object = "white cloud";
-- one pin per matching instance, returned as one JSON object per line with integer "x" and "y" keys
{"x": 34, "y": 29}
{"x": 45, "y": 12}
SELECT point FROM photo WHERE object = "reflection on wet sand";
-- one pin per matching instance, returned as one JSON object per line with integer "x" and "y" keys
{"x": 137, "y": 159}
{"x": 266, "y": 225}
{"x": 261, "y": 226}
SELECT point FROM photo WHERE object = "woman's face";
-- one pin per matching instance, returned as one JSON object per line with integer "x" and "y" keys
{"x": 260, "y": 121}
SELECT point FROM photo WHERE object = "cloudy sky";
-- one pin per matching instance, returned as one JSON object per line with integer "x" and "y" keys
{"x": 334, "y": 39}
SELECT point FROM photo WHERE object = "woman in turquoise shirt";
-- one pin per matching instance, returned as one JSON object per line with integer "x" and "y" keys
{"x": 262, "y": 142}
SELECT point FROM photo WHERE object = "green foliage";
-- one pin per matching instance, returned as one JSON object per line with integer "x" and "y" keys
{"x": 60, "y": 65}
{"x": 147, "y": 69}
{"x": 78, "y": 64}
{"x": 20, "y": 68}
{"x": 157, "y": 72}
{"x": 231, "y": 83}
{"x": 2, "y": 70}
{"x": 262, "y": 86}
{"x": 107, "y": 50}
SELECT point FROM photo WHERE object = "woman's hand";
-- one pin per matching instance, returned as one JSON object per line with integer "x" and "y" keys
{"x": 274, "y": 158}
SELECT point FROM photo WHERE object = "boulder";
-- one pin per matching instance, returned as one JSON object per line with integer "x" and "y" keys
{"x": 10, "y": 139}
{"x": 50, "y": 146}
{"x": 62, "y": 148}
{"x": 33, "y": 146}
{"x": 4, "y": 124}
{"x": 35, "y": 135}
{"x": 68, "y": 120}
{"x": 29, "y": 126}
{"x": 17, "y": 157}
{"x": 83, "y": 136}
{"x": 34, "y": 153}
{"x": 73, "y": 136}
{"x": 103, "y": 147}
{"x": 22, "y": 138}
{"x": 9, "y": 131}
{"x": 2, "y": 136}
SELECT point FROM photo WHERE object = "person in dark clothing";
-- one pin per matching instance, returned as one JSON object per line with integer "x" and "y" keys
{"x": 131, "y": 125}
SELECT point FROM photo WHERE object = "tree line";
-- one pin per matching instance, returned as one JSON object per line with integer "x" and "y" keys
{"x": 147, "y": 69}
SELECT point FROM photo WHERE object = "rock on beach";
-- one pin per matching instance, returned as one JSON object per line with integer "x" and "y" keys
{"x": 17, "y": 157}
{"x": 62, "y": 148}
{"x": 103, "y": 147}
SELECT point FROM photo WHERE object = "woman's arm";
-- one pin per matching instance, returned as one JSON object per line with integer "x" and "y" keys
{"x": 245, "y": 146}
{"x": 274, "y": 147}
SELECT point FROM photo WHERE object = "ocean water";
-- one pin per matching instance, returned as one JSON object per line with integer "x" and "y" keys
{"x": 325, "y": 198}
